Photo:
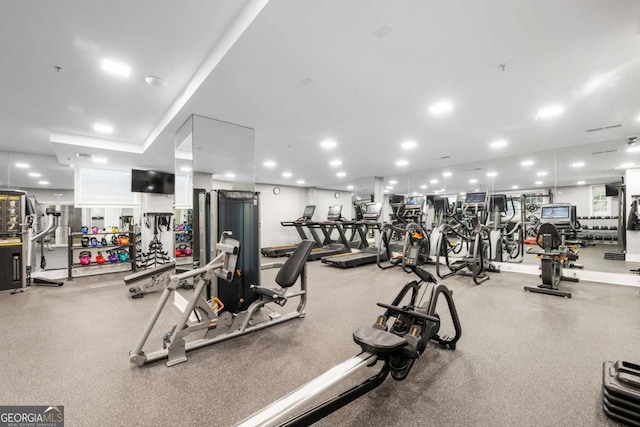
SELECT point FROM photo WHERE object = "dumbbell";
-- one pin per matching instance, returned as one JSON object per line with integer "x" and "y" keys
{"x": 595, "y": 227}
{"x": 598, "y": 237}
{"x": 608, "y": 237}
{"x": 613, "y": 227}
{"x": 604, "y": 227}
{"x": 585, "y": 227}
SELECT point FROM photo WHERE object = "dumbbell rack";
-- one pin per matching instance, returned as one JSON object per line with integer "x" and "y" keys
{"x": 599, "y": 230}
{"x": 75, "y": 246}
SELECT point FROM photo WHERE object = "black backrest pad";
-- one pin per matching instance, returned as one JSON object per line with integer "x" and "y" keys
{"x": 548, "y": 228}
{"x": 292, "y": 268}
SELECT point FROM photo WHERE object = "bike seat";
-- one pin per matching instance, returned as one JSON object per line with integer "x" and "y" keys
{"x": 377, "y": 341}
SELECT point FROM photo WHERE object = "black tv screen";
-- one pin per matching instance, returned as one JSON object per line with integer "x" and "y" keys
{"x": 152, "y": 182}
{"x": 611, "y": 190}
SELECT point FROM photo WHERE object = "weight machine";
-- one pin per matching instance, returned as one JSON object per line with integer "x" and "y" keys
{"x": 222, "y": 325}
{"x": 413, "y": 325}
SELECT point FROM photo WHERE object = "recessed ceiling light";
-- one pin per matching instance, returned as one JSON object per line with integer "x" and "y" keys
{"x": 477, "y": 189}
{"x": 155, "y": 81}
{"x": 514, "y": 187}
{"x": 328, "y": 143}
{"x": 402, "y": 163}
{"x": 423, "y": 186}
{"x": 117, "y": 68}
{"x": 633, "y": 149}
{"x": 341, "y": 174}
{"x": 185, "y": 169}
{"x": 434, "y": 181}
{"x": 626, "y": 165}
{"x": 385, "y": 191}
{"x": 350, "y": 187}
{"x": 99, "y": 160}
{"x": 230, "y": 175}
{"x": 23, "y": 165}
{"x": 538, "y": 182}
{"x": 335, "y": 162}
{"x": 389, "y": 187}
{"x": 498, "y": 144}
{"x": 43, "y": 182}
{"x": 415, "y": 193}
{"x": 473, "y": 181}
{"x": 440, "y": 108}
{"x": 598, "y": 82}
{"x": 577, "y": 164}
{"x": 548, "y": 112}
{"x": 580, "y": 182}
{"x": 527, "y": 163}
{"x": 286, "y": 174}
{"x": 408, "y": 145}
{"x": 393, "y": 182}
{"x": 541, "y": 173}
{"x": 492, "y": 174}
{"x": 462, "y": 193}
{"x": 446, "y": 174}
{"x": 35, "y": 174}
{"x": 300, "y": 181}
{"x": 103, "y": 128}
{"x": 269, "y": 164}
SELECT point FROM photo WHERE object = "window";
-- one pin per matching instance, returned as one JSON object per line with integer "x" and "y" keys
{"x": 599, "y": 202}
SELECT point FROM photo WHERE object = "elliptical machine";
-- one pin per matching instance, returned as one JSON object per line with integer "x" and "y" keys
{"x": 398, "y": 346}
{"x": 506, "y": 238}
{"x": 475, "y": 237}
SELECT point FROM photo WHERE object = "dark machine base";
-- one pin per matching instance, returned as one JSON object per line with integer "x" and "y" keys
{"x": 541, "y": 289}
{"x": 46, "y": 282}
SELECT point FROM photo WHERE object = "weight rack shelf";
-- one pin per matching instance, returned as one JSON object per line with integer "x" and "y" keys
{"x": 104, "y": 268}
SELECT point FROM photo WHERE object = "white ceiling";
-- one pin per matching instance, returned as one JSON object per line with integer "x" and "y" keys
{"x": 361, "y": 72}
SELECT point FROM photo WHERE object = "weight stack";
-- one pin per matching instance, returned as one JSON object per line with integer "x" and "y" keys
{"x": 621, "y": 392}
{"x": 615, "y": 256}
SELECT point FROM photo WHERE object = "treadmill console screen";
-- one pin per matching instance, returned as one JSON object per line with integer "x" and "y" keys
{"x": 556, "y": 214}
{"x": 334, "y": 213}
{"x": 476, "y": 198}
{"x": 373, "y": 211}
{"x": 308, "y": 211}
{"x": 414, "y": 202}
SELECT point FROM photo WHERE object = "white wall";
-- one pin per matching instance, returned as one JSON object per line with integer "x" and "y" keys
{"x": 289, "y": 205}
{"x": 632, "y": 181}
{"x": 579, "y": 196}
{"x": 51, "y": 196}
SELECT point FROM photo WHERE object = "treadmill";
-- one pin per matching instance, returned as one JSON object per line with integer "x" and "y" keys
{"x": 330, "y": 247}
{"x": 286, "y": 250}
{"x": 368, "y": 254}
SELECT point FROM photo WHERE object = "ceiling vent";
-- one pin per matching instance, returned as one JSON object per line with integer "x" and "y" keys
{"x": 605, "y": 128}
{"x": 604, "y": 152}
{"x": 84, "y": 155}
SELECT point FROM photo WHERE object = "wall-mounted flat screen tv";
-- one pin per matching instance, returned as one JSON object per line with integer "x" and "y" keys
{"x": 152, "y": 182}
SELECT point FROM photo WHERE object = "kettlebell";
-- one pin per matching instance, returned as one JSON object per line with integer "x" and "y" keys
{"x": 123, "y": 239}
{"x": 182, "y": 238}
{"x": 84, "y": 229}
{"x": 99, "y": 258}
{"x": 188, "y": 251}
{"x": 113, "y": 257}
{"x": 104, "y": 242}
{"x": 85, "y": 258}
{"x": 94, "y": 242}
{"x": 114, "y": 239}
{"x": 178, "y": 253}
{"x": 85, "y": 242}
{"x": 123, "y": 256}
{"x": 187, "y": 227}
{"x": 115, "y": 229}
{"x": 95, "y": 229}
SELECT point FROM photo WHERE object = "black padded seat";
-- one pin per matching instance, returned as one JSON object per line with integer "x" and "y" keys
{"x": 377, "y": 341}
{"x": 548, "y": 228}
{"x": 289, "y": 272}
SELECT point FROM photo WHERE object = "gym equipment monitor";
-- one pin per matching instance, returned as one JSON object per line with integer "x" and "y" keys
{"x": 396, "y": 198}
{"x": 498, "y": 202}
{"x": 441, "y": 205}
{"x": 478, "y": 198}
{"x": 556, "y": 214}
{"x": 414, "y": 202}
{"x": 152, "y": 182}
{"x": 308, "y": 211}
{"x": 372, "y": 211}
{"x": 334, "y": 213}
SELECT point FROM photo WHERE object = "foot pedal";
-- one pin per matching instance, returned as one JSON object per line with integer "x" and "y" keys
{"x": 274, "y": 315}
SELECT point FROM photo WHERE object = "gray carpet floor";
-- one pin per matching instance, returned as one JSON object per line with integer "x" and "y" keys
{"x": 523, "y": 359}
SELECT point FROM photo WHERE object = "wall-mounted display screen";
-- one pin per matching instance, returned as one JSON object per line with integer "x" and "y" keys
{"x": 152, "y": 182}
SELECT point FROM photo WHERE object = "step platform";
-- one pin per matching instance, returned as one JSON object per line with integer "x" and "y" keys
{"x": 621, "y": 392}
